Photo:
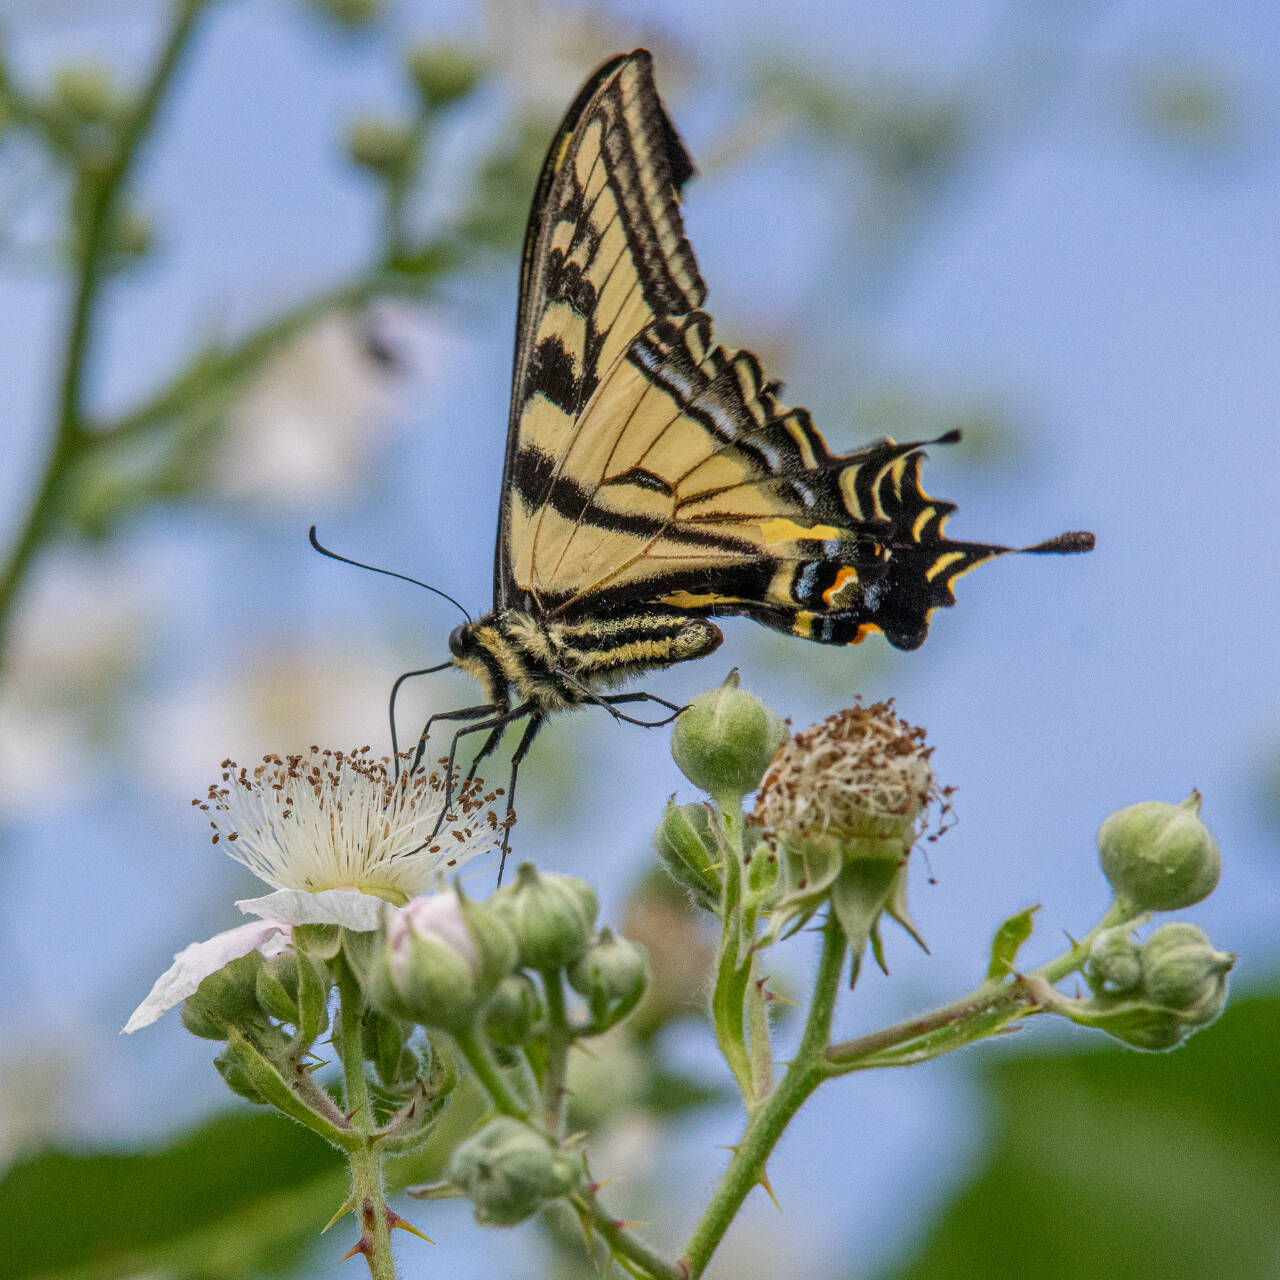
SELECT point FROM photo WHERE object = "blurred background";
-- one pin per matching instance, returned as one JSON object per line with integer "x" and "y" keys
{"x": 1049, "y": 223}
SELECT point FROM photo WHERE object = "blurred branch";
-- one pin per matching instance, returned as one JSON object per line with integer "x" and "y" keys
{"x": 102, "y": 192}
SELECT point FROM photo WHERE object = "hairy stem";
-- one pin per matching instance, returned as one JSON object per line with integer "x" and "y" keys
{"x": 368, "y": 1197}
{"x": 559, "y": 1042}
{"x": 633, "y": 1256}
{"x": 766, "y": 1125}
{"x": 471, "y": 1044}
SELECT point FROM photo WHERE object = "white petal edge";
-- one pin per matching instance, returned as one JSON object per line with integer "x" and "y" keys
{"x": 195, "y": 963}
{"x": 346, "y": 907}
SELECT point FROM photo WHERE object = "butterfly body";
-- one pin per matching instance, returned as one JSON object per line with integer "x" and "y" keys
{"x": 653, "y": 479}
{"x": 522, "y": 659}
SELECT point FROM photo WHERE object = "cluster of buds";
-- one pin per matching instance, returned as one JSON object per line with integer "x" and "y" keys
{"x": 1153, "y": 994}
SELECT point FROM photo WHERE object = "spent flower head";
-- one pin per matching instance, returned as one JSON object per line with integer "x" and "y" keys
{"x": 861, "y": 774}
{"x": 843, "y": 803}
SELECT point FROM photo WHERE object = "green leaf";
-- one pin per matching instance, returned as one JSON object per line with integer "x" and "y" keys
{"x": 1008, "y": 942}
{"x": 244, "y": 1194}
{"x": 1111, "y": 1163}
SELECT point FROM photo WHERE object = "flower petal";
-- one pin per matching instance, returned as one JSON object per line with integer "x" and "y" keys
{"x": 195, "y": 963}
{"x": 346, "y": 907}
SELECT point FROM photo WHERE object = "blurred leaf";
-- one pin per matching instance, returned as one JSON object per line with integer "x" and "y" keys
{"x": 244, "y": 1194}
{"x": 1113, "y": 1163}
{"x": 499, "y": 207}
{"x": 1186, "y": 105}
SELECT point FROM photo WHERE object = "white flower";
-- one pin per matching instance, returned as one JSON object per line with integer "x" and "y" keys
{"x": 336, "y": 834}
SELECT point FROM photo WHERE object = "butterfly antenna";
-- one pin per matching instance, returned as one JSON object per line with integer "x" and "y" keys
{"x": 390, "y": 573}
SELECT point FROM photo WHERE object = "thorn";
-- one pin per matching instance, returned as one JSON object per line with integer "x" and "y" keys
{"x": 725, "y": 1146}
{"x": 345, "y": 1207}
{"x": 394, "y": 1221}
{"x": 362, "y": 1246}
{"x": 626, "y": 1224}
{"x": 597, "y": 1187}
{"x": 764, "y": 1182}
{"x": 351, "y": 1115}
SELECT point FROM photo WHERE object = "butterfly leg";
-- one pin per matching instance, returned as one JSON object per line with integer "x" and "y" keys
{"x": 613, "y": 700}
{"x": 526, "y": 741}
{"x": 464, "y": 713}
{"x": 494, "y": 728}
{"x": 391, "y": 709}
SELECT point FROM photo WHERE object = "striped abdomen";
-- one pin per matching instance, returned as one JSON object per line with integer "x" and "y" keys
{"x": 555, "y": 664}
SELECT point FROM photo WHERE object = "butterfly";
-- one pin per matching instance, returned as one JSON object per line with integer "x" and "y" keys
{"x": 653, "y": 480}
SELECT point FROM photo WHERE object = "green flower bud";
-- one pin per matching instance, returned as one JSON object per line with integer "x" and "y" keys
{"x": 228, "y": 998}
{"x": 382, "y": 146}
{"x": 514, "y": 1010}
{"x": 382, "y": 1040}
{"x": 510, "y": 1171}
{"x": 1159, "y": 857}
{"x": 443, "y": 73}
{"x": 237, "y": 1078}
{"x": 1114, "y": 966}
{"x": 85, "y": 92}
{"x": 612, "y": 974}
{"x": 1181, "y": 970}
{"x": 723, "y": 741}
{"x": 276, "y": 986}
{"x": 350, "y": 13}
{"x": 763, "y": 869}
{"x": 439, "y": 959}
{"x": 552, "y": 917}
{"x": 687, "y": 847}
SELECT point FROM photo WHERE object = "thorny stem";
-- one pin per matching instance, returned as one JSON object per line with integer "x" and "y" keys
{"x": 633, "y": 1256}
{"x": 103, "y": 196}
{"x": 367, "y": 1194}
{"x": 766, "y": 1125}
{"x": 975, "y": 1016}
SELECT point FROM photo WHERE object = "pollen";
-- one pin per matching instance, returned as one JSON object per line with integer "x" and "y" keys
{"x": 331, "y": 819}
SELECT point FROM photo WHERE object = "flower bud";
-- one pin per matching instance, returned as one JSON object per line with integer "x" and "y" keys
{"x": 509, "y": 1171}
{"x": 551, "y": 916}
{"x": 443, "y": 73}
{"x": 1181, "y": 970}
{"x": 350, "y": 13}
{"x": 612, "y": 974}
{"x": 1159, "y": 857}
{"x": 236, "y": 1078}
{"x": 381, "y": 146}
{"x": 225, "y": 999}
{"x": 85, "y": 92}
{"x": 438, "y": 960}
{"x": 1114, "y": 966}
{"x": 514, "y": 1010}
{"x": 723, "y": 741}
{"x": 687, "y": 847}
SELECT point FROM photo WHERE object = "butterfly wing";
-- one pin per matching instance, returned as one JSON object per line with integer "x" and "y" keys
{"x": 605, "y": 255}
{"x": 648, "y": 466}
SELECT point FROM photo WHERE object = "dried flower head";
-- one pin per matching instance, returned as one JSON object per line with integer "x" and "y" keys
{"x": 345, "y": 820}
{"x": 862, "y": 774}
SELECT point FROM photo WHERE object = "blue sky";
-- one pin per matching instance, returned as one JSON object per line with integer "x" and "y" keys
{"x": 1115, "y": 293}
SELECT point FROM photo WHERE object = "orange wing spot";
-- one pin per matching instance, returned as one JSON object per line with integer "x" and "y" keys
{"x": 863, "y": 632}
{"x": 837, "y": 595}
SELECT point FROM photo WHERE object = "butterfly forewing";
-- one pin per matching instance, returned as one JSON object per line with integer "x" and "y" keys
{"x": 605, "y": 255}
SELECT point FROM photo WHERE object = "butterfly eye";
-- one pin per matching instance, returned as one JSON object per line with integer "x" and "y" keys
{"x": 460, "y": 642}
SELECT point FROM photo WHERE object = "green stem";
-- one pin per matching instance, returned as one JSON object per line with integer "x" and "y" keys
{"x": 636, "y": 1258}
{"x": 766, "y": 1125}
{"x": 100, "y": 210}
{"x": 733, "y": 976}
{"x": 974, "y": 1016}
{"x": 559, "y": 1042}
{"x": 471, "y": 1044}
{"x": 368, "y": 1197}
